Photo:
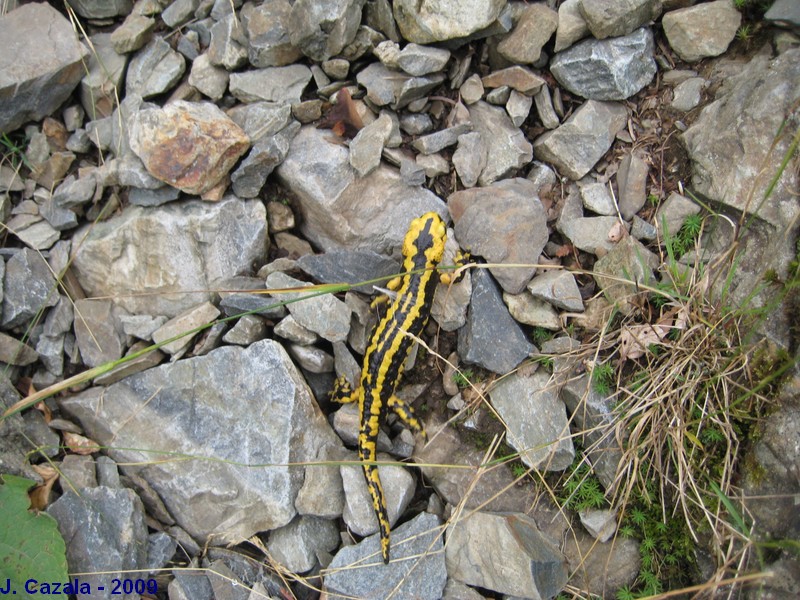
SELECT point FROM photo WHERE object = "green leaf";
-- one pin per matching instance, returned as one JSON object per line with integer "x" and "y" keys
{"x": 30, "y": 545}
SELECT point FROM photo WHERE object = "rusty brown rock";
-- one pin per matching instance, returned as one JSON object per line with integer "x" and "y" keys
{"x": 189, "y": 145}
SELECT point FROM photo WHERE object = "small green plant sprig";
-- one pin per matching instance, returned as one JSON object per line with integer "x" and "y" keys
{"x": 463, "y": 377}
{"x": 666, "y": 548}
{"x": 580, "y": 489}
{"x": 603, "y": 376}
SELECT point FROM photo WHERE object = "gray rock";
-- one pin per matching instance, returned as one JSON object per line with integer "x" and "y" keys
{"x": 628, "y": 264}
{"x": 472, "y": 89}
{"x": 612, "y": 69}
{"x": 748, "y": 111}
{"x": 261, "y": 119}
{"x": 208, "y": 79}
{"x": 612, "y": 18}
{"x": 688, "y": 94}
{"x": 336, "y": 68}
{"x": 98, "y": 332}
{"x": 179, "y": 12}
{"x": 433, "y": 165}
{"x": 416, "y": 123}
{"x": 183, "y": 324}
{"x": 15, "y": 352}
{"x": 488, "y": 321}
{"x": 183, "y": 407}
{"x": 28, "y": 287}
{"x": 160, "y": 550}
{"x": 582, "y": 140}
{"x": 784, "y": 12}
{"x": 349, "y": 267}
{"x": 470, "y": 158}
{"x": 228, "y": 45}
{"x": 42, "y": 64}
{"x": 531, "y": 311}
{"x": 596, "y": 197}
{"x": 642, "y": 230}
{"x": 535, "y": 27}
{"x": 311, "y": 359}
{"x": 101, "y": 9}
{"x": 273, "y": 84}
{"x": 523, "y": 561}
{"x": 535, "y": 420}
{"x": 133, "y": 34}
{"x": 544, "y": 107}
{"x": 746, "y": 114}
{"x": 184, "y": 246}
{"x": 398, "y": 489}
{"x": 673, "y": 212}
{"x": 324, "y": 314}
{"x": 420, "y": 60}
{"x": 394, "y": 88}
{"x": 79, "y": 471}
{"x": 416, "y": 545}
{"x": 697, "y": 32}
{"x": 571, "y": 24}
{"x": 590, "y": 234}
{"x": 267, "y": 27}
{"x": 342, "y": 211}
{"x": 297, "y": 545}
{"x": 366, "y": 147}
{"x": 365, "y": 42}
{"x": 321, "y": 31}
{"x": 132, "y": 365}
{"x": 39, "y": 235}
{"x": 266, "y": 154}
{"x": 503, "y": 223}
{"x": 507, "y": 148}
{"x": 101, "y": 84}
{"x": 602, "y": 569}
{"x": 438, "y": 20}
{"x": 559, "y": 288}
{"x": 106, "y": 536}
{"x": 154, "y": 70}
{"x": 518, "y": 107}
{"x": 601, "y": 524}
{"x": 248, "y": 330}
{"x": 434, "y": 142}
{"x": 632, "y": 184}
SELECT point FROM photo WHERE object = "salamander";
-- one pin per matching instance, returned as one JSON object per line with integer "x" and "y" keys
{"x": 389, "y": 347}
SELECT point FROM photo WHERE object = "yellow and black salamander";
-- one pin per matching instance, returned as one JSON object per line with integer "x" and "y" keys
{"x": 388, "y": 350}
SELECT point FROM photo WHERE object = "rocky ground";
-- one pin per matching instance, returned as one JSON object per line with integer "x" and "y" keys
{"x": 165, "y": 163}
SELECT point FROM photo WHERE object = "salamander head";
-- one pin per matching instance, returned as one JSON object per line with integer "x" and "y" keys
{"x": 426, "y": 235}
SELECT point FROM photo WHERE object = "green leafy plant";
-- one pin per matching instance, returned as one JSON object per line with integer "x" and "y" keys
{"x": 14, "y": 152}
{"x": 463, "y": 377}
{"x": 603, "y": 378}
{"x": 580, "y": 488}
{"x": 30, "y": 545}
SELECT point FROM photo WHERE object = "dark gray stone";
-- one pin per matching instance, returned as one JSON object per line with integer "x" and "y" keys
{"x": 29, "y": 287}
{"x": 41, "y": 63}
{"x": 612, "y": 69}
{"x": 184, "y": 408}
{"x": 487, "y": 322}
{"x": 154, "y": 70}
{"x": 419, "y": 542}
{"x": 349, "y": 267}
{"x": 106, "y": 536}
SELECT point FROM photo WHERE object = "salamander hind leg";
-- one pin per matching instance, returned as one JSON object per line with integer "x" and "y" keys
{"x": 341, "y": 392}
{"x": 379, "y": 504}
{"x": 406, "y": 413}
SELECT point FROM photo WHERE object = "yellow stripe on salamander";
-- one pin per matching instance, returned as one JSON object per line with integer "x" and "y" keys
{"x": 389, "y": 347}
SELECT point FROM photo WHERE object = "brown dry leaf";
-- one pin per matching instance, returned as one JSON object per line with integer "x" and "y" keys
{"x": 343, "y": 117}
{"x": 40, "y": 495}
{"x": 617, "y": 232}
{"x": 564, "y": 250}
{"x": 635, "y": 339}
{"x": 79, "y": 444}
